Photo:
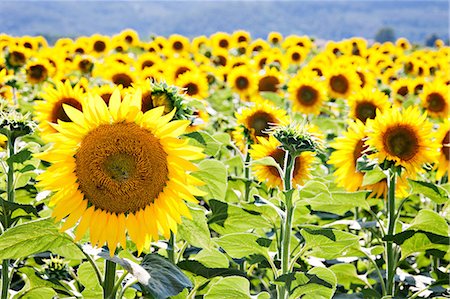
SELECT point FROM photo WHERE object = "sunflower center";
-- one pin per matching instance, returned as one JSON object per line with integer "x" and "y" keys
{"x": 121, "y": 168}
{"x": 85, "y": 65}
{"x": 446, "y": 146}
{"x": 147, "y": 63}
{"x": 129, "y": 39}
{"x": 147, "y": 101}
{"x": 403, "y": 91}
{"x": 365, "y": 110}
{"x": 58, "y": 111}
{"x": 99, "y": 46}
{"x": 223, "y": 43}
{"x": 242, "y": 39}
{"x": 192, "y": 89}
{"x": 260, "y": 122}
{"x": 436, "y": 102}
{"x": 122, "y": 79}
{"x": 360, "y": 148}
{"x": 339, "y": 84}
{"x": 38, "y": 72}
{"x": 242, "y": 82}
{"x": 307, "y": 95}
{"x": 362, "y": 78}
{"x": 177, "y": 45}
{"x": 106, "y": 97}
{"x": 181, "y": 70}
{"x": 295, "y": 56}
{"x": 268, "y": 83}
{"x": 401, "y": 141}
{"x": 17, "y": 58}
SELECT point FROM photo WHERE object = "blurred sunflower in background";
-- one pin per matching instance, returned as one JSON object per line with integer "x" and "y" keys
{"x": 194, "y": 83}
{"x": 443, "y": 138}
{"x": 341, "y": 82}
{"x": 306, "y": 93}
{"x": 435, "y": 99}
{"x": 124, "y": 172}
{"x": 365, "y": 103}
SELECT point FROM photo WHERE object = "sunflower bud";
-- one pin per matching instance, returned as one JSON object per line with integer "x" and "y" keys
{"x": 170, "y": 97}
{"x": 14, "y": 124}
{"x": 295, "y": 138}
{"x": 56, "y": 268}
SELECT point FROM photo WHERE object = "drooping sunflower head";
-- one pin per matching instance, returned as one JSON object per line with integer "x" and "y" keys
{"x": 366, "y": 102}
{"x": 269, "y": 174}
{"x": 443, "y": 137}
{"x": 49, "y": 111}
{"x": 124, "y": 171}
{"x": 306, "y": 94}
{"x": 256, "y": 121}
{"x": 347, "y": 150}
{"x": 435, "y": 99}
{"x": 403, "y": 137}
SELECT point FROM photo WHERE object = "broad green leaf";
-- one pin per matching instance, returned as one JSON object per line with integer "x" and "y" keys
{"x": 33, "y": 281}
{"x": 321, "y": 285}
{"x": 346, "y": 275}
{"x": 434, "y": 192}
{"x": 88, "y": 279}
{"x": 233, "y": 287}
{"x": 212, "y": 258}
{"x": 195, "y": 231}
{"x": 430, "y": 221}
{"x": 329, "y": 243}
{"x": 263, "y": 295}
{"x": 19, "y": 157}
{"x": 202, "y": 139}
{"x": 200, "y": 270}
{"x": 156, "y": 274}
{"x": 32, "y": 237}
{"x": 373, "y": 176}
{"x": 318, "y": 196}
{"x": 228, "y": 218}
{"x": 39, "y": 293}
{"x": 240, "y": 245}
{"x": 214, "y": 174}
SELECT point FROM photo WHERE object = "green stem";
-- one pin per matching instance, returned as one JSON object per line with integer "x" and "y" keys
{"x": 287, "y": 225}
{"x": 119, "y": 282}
{"x": 10, "y": 178}
{"x": 390, "y": 250}
{"x": 110, "y": 277}
{"x": 377, "y": 269}
{"x": 93, "y": 264}
{"x": 5, "y": 279}
{"x": 171, "y": 248}
{"x": 247, "y": 176}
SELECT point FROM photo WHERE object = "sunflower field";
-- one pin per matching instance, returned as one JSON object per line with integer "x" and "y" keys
{"x": 223, "y": 167}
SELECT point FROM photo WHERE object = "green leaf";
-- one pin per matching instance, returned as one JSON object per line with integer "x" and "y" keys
{"x": 346, "y": 275}
{"x": 267, "y": 161}
{"x": 373, "y": 176}
{"x": 39, "y": 293}
{"x": 32, "y": 237}
{"x": 321, "y": 285}
{"x": 199, "y": 269}
{"x": 19, "y": 157}
{"x": 232, "y": 287}
{"x": 195, "y": 231}
{"x": 88, "y": 278}
{"x": 434, "y": 192}
{"x": 212, "y": 258}
{"x": 214, "y": 174}
{"x": 240, "y": 245}
{"x": 156, "y": 274}
{"x": 318, "y": 196}
{"x": 329, "y": 243}
{"x": 202, "y": 139}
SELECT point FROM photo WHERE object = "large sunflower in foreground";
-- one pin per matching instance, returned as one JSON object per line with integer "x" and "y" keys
{"x": 404, "y": 137}
{"x": 365, "y": 103}
{"x": 443, "y": 137}
{"x": 116, "y": 170}
{"x": 257, "y": 121}
{"x": 348, "y": 149}
{"x": 51, "y": 109}
{"x": 269, "y": 174}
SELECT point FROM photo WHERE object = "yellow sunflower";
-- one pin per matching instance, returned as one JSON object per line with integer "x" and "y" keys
{"x": 178, "y": 44}
{"x": 275, "y": 38}
{"x": 270, "y": 80}
{"x": 147, "y": 60}
{"x": 443, "y": 136}
{"x": 348, "y": 149}
{"x": 50, "y": 110}
{"x": 404, "y": 137}
{"x": 435, "y": 99}
{"x": 194, "y": 83}
{"x": 38, "y": 71}
{"x": 243, "y": 81}
{"x": 118, "y": 171}
{"x": 400, "y": 89}
{"x": 306, "y": 94}
{"x": 342, "y": 82}
{"x": 99, "y": 45}
{"x": 256, "y": 121}
{"x": 17, "y": 56}
{"x": 296, "y": 55}
{"x": 269, "y": 174}
{"x": 221, "y": 40}
{"x": 129, "y": 36}
{"x": 365, "y": 103}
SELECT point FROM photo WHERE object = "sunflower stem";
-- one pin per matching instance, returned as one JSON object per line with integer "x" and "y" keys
{"x": 171, "y": 248}
{"x": 247, "y": 176}
{"x": 287, "y": 225}
{"x": 109, "y": 282}
{"x": 390, "y": 249}
{"x": 5, "y": 279}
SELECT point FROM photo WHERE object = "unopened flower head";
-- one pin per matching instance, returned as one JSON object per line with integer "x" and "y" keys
{"x": 13, "y": 123}
{"x": 297, "y": 138}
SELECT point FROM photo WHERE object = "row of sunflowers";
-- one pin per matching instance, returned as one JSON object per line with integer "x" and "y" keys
{"x": 284, "y": 167}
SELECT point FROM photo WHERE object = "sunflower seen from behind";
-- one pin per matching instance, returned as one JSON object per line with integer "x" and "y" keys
{"x": 269, "y": 174}
{"x": 117, "y": 171}
{"x": 402, "y": 137}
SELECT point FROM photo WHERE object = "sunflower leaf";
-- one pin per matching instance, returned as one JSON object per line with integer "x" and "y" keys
{"x": 373, "y": 176}
{"x": 434, "y": 192}
{"x": 229, "y": 288}
{"x": 214, "y": 174}
{"x": 320, "y": 283}
{"x": 240, "y": 245}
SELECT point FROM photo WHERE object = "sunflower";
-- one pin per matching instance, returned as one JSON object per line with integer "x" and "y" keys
{"x": 178, "y": 44}
{"x": 243, "y": 81}
{"x": 403, "y": 43}
{"x": 123, "y": 171}
{"x": 342, "y": 82}
{"x": 270, "y": 80}
{"x": 176, "y": 67}
{"x": 404, "y": 137}
{"x": 17, "y": 56}
{"x": 129, "y": 36}
{"x": 400, "y": 89}
{"x": 443, "y": 136}
{"x": 50, "y": 110}
{"x": 274, "y": 38}
{"x": 241, "y": 36}
{"x": 269, "y": 174}
{"x": 435, "y": 99}
{"x": 306, "y": 94}
{"x": 348, "y": 149}
{"x": 366, "y": 102}
{"x": 256, "y": 121}
{"x": 99, "y": 45}
{"x": 147, "y": 60}
{"x": 258, "y": 46}
{"x": 194, "y": 83}
{"x": 296, "y": 55}
{"x": 38, "y": 71}
{"x": 221, "y": 40}
{"x": 84, "y": 64}
{"x": 117, "y": 74}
